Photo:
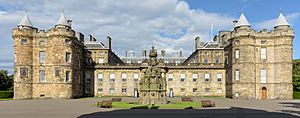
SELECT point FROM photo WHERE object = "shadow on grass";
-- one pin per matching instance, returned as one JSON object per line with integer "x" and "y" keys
{"x": 234, "y": 112}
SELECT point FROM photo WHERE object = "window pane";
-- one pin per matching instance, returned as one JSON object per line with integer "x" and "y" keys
{"x": 42, "y": 56}
{"x": 263, "y": 76}
{"x": 237, "y": 75}
{"x": 42, "y": 76}
{"x": 68, "y": 57}
{"x": 237, "y": 54}
{"x": 67, "y": 76}
{"x": 101, "y": 60}
{"x": 263, "y": 54}
{"x": 124, "y": 75}
{"x": 135, "y": 76}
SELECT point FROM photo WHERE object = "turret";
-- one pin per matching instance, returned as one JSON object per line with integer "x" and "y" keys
{"x": 242, "y": 23}
{"x": 281, "y": 23}
{"x": 63, "y": 22}
{"x": 25, "y": 22}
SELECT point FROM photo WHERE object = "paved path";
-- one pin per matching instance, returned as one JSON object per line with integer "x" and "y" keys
{"x": 84, "y": 108}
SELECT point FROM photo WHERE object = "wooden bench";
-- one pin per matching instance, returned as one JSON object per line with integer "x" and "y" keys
{"x": 186, "y": 99}
{"x": 207, "y": 103}
{"x": 105, "y": 104}
{"x": 116, "y": 99}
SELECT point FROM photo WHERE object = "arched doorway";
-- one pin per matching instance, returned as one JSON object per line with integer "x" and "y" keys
{"x": 264, "y": 94}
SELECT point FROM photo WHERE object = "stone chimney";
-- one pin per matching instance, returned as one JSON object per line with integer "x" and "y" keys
{"x": 90, "y": 38}
{"x": 234, "y": 23}
{"x": 69, "y": 22}
{"x": 126, "y": 53}
{"x": 80, "y": 36}
{"x": 108, "y": 42}
{"x": 163, "y": 53}
{"x": 197, "y": 43}
{"x": 180, "y": 53}
{"x": 144, "y": 53}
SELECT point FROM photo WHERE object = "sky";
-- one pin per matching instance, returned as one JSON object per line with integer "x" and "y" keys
{"x": 134, "y": 25}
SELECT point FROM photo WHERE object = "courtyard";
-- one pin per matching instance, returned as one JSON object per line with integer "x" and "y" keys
{"x": 85, "y": 108}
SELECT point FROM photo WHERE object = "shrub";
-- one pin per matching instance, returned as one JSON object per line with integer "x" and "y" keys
{"x": 6, "y": 94}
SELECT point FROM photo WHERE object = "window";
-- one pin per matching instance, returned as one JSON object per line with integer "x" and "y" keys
{"x": 177, "y": 61}
{"x": 111, "y": 90}
{"x": 205, "y": 61}
{"x": 100, "y": 78}
{"x": 42, "y": 76}
{"x": 166, "y": 61}
{"x": 170, "y": 77}
{"x": 136, "y": 78}
{"x": 263, "y": 76}
{"x": 207, "y": 77}
{"x": 195, "y": 77}
{"x": 217, "y": 53}
{"x": 182, "y": 77}
{"x": 111, "y": 78}
{"x": 88, "y": 78}
{"x": 263, "y": 53}
{"x": 263, "y": 42}
{"x": 205, "y": 53}
{"x": 23, "y": 41}
{"x": 124, "y": 76}
{"x": 57, "y": 72}
{"x": 68, "y": 42}
{"x": 42, "y": 57}
{"x": 123, "y": 90}
{"x": 219, "y": 90}
{"x": 128, "y": 61}
{"x": 219, "y": 77}
{"x": 42, "y": 42}
{"x": 100, "y": 90}
{"x": 101, "y": 60}
{"x": 139, "y": 61}
{"x": 207, "y": 90}
{"x": 217, "y": 60}
{"x": 195, "y": 90}
{"x": 88, "y": 90}
{"x": 182, "y": 90}
{"x": 226, "y": 60}
{"x": 237, "y": 74}
{"x": 23, "y": 72}
{"x": 101, "y": 52}
{"x": 68, "y": 57}
{"x": 67, "y": 76}
{"x": 237, "y": 54}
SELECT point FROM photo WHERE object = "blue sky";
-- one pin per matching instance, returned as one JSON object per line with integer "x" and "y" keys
{"x": 133, "y": 25}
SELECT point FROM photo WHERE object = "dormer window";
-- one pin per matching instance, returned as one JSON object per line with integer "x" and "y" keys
{"x": 23, "y": 41}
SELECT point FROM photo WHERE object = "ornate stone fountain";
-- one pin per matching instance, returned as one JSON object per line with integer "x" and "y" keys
{"x": 153, "y": 83}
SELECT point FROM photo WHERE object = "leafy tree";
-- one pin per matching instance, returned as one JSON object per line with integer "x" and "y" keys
{"x": 6, "y": 83}
{"x": 296, "y": 75}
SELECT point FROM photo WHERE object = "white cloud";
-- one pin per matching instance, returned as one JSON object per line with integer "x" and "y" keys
{"x": 132, "y": 24}
{"x": 269, "y": 24}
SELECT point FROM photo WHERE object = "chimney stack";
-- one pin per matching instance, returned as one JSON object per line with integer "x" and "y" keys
{"x": 144, "y": 53}
{"x": 69, "y": 22}
{"x": 108, "y": 42}
{"x": 234, "y": 22}
{"x": 197, "y": 43}
{"x": 90, "y": 37}
{"x": 180, "y": 53}
{"x": 126, "y": 53}
{"x": 80, "y": 36}
{"x": 163, "y": 53}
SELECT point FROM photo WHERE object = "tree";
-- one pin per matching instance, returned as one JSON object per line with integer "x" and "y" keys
{"x": 6, "y": 83}
{"x": 296, "y": 75}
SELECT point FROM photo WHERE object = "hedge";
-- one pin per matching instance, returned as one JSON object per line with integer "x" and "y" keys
{"x": 6, "y": 94}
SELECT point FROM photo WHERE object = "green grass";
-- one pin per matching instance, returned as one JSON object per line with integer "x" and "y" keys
{"x": 296, "y": 95}
{"x": 179, "y": 105}
{"x": 5, "y": 99}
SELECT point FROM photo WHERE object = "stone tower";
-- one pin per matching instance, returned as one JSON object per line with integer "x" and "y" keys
{"x": 259, "y": 64}
{"x": 47, "y": 63}
{"x": 153, "y": 82}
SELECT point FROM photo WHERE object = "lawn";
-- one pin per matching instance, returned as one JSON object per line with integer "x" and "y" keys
{"x": 5, "y": 99}
{"x": 179, "y": 105}
{"x": 296, "y": 95}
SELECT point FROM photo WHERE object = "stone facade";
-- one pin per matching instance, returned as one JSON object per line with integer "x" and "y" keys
{"x": 239, "y": 64}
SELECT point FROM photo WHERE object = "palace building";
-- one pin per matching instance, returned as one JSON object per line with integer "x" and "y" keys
{"x": 238, "y": 64}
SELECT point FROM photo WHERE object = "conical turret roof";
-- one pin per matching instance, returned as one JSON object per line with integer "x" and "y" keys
{"x": 281, "y": 21}
{"x": 25, "y": 21}
{"x": 242, "y": 21}
{"x": 62, "y": 20}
